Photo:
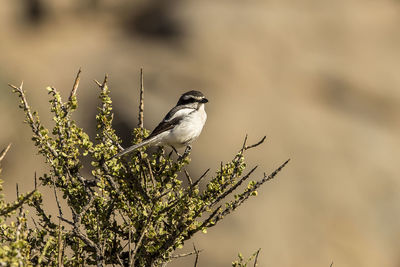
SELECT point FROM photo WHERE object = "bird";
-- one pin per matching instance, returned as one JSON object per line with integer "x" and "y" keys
{"x": 180, "y": 127}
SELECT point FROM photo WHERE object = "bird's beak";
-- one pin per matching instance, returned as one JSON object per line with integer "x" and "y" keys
{"x": 204, "y": 100}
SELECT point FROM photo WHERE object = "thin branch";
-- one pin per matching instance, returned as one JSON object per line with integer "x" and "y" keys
{"x": 113, "y": 141}
{"x": 139, "y": 242}
{"x": 244, "y": 142}
{"x": 235, "y": 204}
{"x": 185, "y": 254}
{"x": 56, "y": 197}
{"x": 98, "y": 83}
{"x": 75, "y": 86}
{"x": 201, "y": 177}
{"x": 272, "y": 175}
{"x": 130, "y": 237}
{"x": 30, "y": 118}
{"x": 153, "y": 180}
{"x": 17, "y": 205}
{"x": 197, "y": 255}
{"x": 66, "y": 220}
{"x": 4, "y": 152}
{"x": 35, "y": 180}
{"x": 59, "y": 245}
{"x": 190, "y": 181}
{"x": 256, "y": 144}
{"x": 207, "y": 222}
{"x": 102, "y": 85}
{"x": 141, "y": 105}
{"x": 256, "y": 259}
{"x": 230, "y": 190}
{"x": 17, "y": 189}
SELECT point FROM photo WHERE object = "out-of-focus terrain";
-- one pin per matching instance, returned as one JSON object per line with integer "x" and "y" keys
{"x": 319, "y": 78}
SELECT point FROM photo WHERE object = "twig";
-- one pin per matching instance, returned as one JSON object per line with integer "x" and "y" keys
{"x": 19, "y": 227}
{"x": 141, "y": 104}
{"x": 17, "y": 189}
{"x": 190, "y": 181}
{"x": 256, "y": 144}
{"x": 55, "y": 195}
{"x": 114, "y": 142}
{"x": 130, "y": 237}
{"x": 139, "y": 242}
{"x": 247, "y": 194}
{"x": 4, "y": 152}
{"x": 34, "y": 124}
{"x": 256, "y": 259}
{"x": 35, "y": 180}
{"x": 244, "y": 142}
{"x": 236, "y": 185}
{"x": 185, "y": 254}
{"x": 197, "y": 255}
{"x": 59, "y": 245}
{"x": 75, "y": 86}
{"x": 153, "y": 181}
{"x": 207, "y": 222}
{"x": 102, "y": 85}
{"x": 66, "y": 220}
{"x": 19, "y": 204}
{"x": 201, "y": 177}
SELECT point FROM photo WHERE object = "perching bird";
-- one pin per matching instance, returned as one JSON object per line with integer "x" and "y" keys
{"x": 180, "y": 127}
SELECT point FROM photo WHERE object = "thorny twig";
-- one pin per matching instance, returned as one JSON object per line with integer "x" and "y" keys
{"x": 31, "y": 120}
{"x": 197, "y": 255}
{"x": 75, "y": 86}
{"x": 141, "y": 104}
{"x": 256, "y": 259}
{"x": 186, "y": 254}
{"x": 4, "y": 152}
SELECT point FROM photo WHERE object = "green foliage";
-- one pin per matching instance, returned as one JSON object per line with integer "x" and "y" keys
{"x": 132, "y": 211}
{"x": 242, "y": 262}
{"x": 14, "y": 246}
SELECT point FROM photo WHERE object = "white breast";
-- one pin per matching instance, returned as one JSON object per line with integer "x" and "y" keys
{"x": 188, "y": 129}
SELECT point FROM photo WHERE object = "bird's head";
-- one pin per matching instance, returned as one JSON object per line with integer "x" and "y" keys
{"x": 192, "y": 98}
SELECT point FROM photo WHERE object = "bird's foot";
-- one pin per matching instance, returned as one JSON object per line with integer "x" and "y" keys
{"x": 188, "y": 149}
{"x": 186, "y": 153}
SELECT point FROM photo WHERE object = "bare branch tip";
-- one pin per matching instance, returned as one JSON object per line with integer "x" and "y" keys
{"x": 76, "y": 84}
{"x": 141, "y": 101}
{"x": 97, "y": 82}
{"x": 256, "y": 259}
{"x": 245, "y": 141}
{"x": 4, "y": 152}
{"x": 13, "y": 86}
{"x": 35, "y": 180}
{"x": 17, "y": 189}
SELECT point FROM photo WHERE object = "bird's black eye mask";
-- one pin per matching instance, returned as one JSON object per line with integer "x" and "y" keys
{"x": 188, "y": 100}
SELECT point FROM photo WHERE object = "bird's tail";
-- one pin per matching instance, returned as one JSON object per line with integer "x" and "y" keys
{"x": 134, "y": 147}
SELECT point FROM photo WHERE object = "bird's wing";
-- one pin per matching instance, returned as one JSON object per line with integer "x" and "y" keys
{"x": 165, "y": 126}
{"x": 173, "y": 117}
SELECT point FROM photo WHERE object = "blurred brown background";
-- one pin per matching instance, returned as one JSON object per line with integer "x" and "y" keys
{"x": 319, "y": 78}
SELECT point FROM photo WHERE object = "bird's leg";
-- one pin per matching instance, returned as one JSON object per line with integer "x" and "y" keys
{"x": 176, "y": 151}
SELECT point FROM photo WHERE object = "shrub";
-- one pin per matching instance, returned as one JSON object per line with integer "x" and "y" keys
{"x": 131, "y": 211}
